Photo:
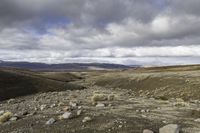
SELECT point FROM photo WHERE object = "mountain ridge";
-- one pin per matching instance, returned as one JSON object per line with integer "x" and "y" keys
{"x": 63, "y": 66}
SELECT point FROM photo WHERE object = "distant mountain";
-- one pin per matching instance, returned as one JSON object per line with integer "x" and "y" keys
{"x": 66, "y": 66}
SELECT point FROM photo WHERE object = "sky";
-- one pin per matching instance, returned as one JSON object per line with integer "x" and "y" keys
{"x": 141, "y": 32}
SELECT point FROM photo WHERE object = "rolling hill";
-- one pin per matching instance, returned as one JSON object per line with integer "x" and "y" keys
{"x": 17, "y": 82}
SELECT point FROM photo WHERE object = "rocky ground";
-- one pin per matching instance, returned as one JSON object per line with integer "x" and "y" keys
{"x": 98, "y": 110}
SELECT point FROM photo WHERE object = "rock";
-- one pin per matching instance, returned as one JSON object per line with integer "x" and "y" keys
{"x": 86, "y": 119}
{"x": 78, "y": 113}
{"x": 66, "y": 115}
{"x": 147, "y": 131}
{"x": 2, "y": 112}
{"x": 73, "y": 104}
{"x": 13, "y": 118}
{"x": 50, "y": 121}
{"x": 53, "y": 105}
{"x": 100, "y": 105}
{"x": 42, "y": 107}
{"x": 120, "y": 126}
{"x": 171, "y": 128}
{"x": 197, "y": 120}
{"x": 144, "y": 116}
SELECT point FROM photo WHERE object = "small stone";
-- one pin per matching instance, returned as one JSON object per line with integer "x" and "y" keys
{"x": 120, "y": 126}
{"x": 171, "y": 128}
{"x": 79, "y": 112}
{"x": 142, "y": 111}
{"x": 147, "y": 131}
{"x": 50, "y": 121}
{"x": 73, "y": 104}
{"x": 66, "y": 115}
{"x": 164, "y": 122}
{"x": 53, "y": 105}
{"x": 13, "y": 118}
{"x": 100, "y": 105}
{"x": 42, "y": 107}
{"x": 144, "y": 116}
{"x": 197, "y": 120}
{"x": 86, "y": 119}
{"x": 2, "y": 112}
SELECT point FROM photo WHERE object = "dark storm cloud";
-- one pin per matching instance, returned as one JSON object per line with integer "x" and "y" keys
{"x": 62, "y": 29}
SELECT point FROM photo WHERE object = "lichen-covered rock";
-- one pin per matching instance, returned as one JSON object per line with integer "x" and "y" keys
{"x": 5, "y": 117}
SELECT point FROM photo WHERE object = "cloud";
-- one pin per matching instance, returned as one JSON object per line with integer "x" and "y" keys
{"x": 54, "y": 31}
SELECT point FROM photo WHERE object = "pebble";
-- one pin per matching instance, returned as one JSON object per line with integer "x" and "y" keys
{"x": 100, "y": 105}
{"x": 13, "y": 118}
{"x": 73, "y": 104}
{"x": 50, "y": 121}
{"x": 2, "y": 112}
{"x": 171, "y": 128}
{"x": 120, "y": 126}
{"x": 86, "y": 119}
{"x": 79, "y": 112}
{"x": 144, "y": 116}
{"x": 42, "y": 107}
{"x": 53, "y": 105}
{"x": 67, "y": 115}
{"x": 197, "y": 120}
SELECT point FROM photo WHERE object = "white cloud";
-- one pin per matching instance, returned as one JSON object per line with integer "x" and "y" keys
{"x": 54, "y": 31}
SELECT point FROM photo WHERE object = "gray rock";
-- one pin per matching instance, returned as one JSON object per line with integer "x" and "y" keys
{"x": 197, "y": 120}
{"x": 53, "y": 105}
{"x": 14, "y": 118}
{"x": 86, "y": 119}
{"x": 147, "y": 131}
{"x": 67, "y": 115}
{"x": 73, "y": 104}
{"x": 50, "y": 121}
{"x": 78, "y": 112}
{"x": 171, "y": 128}
{"x": 2, "y": 112}
{"x": 100, "y": 105}
{"x": 42, "y": 107}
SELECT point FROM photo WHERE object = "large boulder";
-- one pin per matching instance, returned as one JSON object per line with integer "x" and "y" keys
{"x": 171, "y": 128}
